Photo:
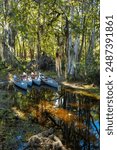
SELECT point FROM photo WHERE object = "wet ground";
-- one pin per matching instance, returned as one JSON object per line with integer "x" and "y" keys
{"x": 74, "y": 116}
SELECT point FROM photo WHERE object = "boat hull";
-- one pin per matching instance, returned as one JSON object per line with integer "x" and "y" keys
{"x": 29, "y": 82}
{"x": 37, "y": 81}
{"x": 50, "y": 82}
{"x": 21, "y": 84}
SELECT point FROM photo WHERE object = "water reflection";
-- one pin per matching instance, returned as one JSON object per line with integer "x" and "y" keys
{"x": 87, "y": 110}
{"x": 77, "y": 115}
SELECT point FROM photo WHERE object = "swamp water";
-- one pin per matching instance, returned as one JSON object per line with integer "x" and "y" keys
{"x": 23, "y": 114}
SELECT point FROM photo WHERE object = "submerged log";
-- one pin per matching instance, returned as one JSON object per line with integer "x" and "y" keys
{"x": 46, "y": 141}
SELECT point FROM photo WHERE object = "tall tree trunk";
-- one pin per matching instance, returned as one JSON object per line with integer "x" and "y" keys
{"x": 70, "y": 44}
{"x": 66, "y": 30}
{"x": 5, "y": 42}
{"x": 76, "y": 59}
{"x": 19, "y": 51}
{"x": 24, "y": 50}
{"x": 82, "y": 41}
{"x": 38, "y": 34}
{"x": 1, "y": 51}
{"x": 9, "y": 34}
{"x": 89, "y": 59}
{"x": 31, "y": 53}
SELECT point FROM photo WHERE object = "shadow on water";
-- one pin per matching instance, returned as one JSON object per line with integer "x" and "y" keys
{"x": 77, "y": 116}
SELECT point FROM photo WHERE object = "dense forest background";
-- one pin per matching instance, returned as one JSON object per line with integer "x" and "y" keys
{"x": 32, "y": 28}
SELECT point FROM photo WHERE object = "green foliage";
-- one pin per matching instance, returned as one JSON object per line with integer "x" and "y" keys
{"x": 40, "y": 26}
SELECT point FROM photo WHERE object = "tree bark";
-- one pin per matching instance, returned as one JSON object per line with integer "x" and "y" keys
{"x": 38, "y": 34}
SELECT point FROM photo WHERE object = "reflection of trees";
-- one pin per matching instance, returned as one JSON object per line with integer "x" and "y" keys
{"x": 75, "y": 115}
{"x": 32, "y": 98}
{"x": 87, "y": 111}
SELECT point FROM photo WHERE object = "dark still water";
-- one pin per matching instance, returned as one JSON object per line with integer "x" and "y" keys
{"x": 76, "y": 115}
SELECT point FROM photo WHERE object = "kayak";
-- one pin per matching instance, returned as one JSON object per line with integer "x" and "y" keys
{"x": 37, "y": 81}
{"x": 20, "y": 83}
{"x": 28, "y": 81}
{"x": 51, "y": 82}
